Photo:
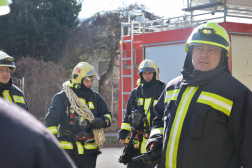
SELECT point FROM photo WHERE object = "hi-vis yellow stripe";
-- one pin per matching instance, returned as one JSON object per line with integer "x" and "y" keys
{"x": 18, "y": 99}
{"x": 80, "y": 147}
{"x": 140, "y": 101}
{"x": 90, "y": 105}
{"x": 215, "y": 101}
{"x": 143, "y": 145}
{"x": 108, "y": 116}
{"x": 146, "y": 106}
{"x": 52, "y": 129}
{"x": 155, "y": 131}
{"x": 126, "y": 126}
{"x": 83, "y": 101}
{"x": 154, "y": 102}
{"x": 6, "y": 95}
{"x": 173, "y": 142}
{"x": 171, "y": 95}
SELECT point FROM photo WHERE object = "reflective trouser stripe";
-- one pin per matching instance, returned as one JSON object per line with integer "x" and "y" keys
{"x": 18, "y": 99}
{"x": 126, "y": 126}
{"x": 143, "y": 145}
{"x": 156, "y": 131}
{"x": 171, "y": 95}
{"x": 90, "y": 146}
{"x": 217, "y": 102}
{"x": 65, "y": 145}
{"x": 173, "y": 142}
{"x": 146, "y": 107}
{"x": 80, "y": 147}
{"x": 52, "y": 130}
{"x": 108, "y": 116}
{"x": 6, "y": 95}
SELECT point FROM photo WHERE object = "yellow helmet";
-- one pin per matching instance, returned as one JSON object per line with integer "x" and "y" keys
{"x": 210, "y": 33}
{"x": 80, "y": 71}
{"x": 148, "y": 65}
{"x": 7, "y": 61}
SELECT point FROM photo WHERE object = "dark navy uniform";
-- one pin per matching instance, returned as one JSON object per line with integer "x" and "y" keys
{"x": 12, "y": 93}
{"x": 61, "y": 113}
{"x": 25, "y": 143}
{"x": 204, "y": 120}
{"x": 145, "y": 96}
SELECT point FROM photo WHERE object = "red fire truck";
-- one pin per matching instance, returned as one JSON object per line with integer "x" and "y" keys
{"x": 163, "y": 41}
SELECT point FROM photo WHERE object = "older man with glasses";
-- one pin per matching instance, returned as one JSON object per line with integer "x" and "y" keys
{"x": 8, "y": 90}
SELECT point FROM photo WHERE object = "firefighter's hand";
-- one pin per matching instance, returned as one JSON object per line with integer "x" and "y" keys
{"x": 154, "y": 154}
{"x": 122, "y": 141}
{"x": 98, "y": 123}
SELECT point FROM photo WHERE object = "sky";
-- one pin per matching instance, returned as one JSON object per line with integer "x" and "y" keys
{"x": 166, "y": 8}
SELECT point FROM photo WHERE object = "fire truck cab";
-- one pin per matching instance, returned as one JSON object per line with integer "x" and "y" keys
{"x": 163, "y": 41}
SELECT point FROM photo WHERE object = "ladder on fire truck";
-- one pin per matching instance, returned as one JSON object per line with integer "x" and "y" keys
{"x": 131, "y": 25}
{"x": 229, "y": 8}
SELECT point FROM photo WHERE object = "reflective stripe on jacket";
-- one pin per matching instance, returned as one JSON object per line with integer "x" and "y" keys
{"x": 204, "y": 126}
{"x": 15, "y": 95}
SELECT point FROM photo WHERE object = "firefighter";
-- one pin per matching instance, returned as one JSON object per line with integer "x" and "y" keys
{"x": 26, "y": 142}
{"x": 8, "y": 90}
{"x": 140, "y": 103}
{"x": 34, "y": 147}
{"x": 204, "y": 116}
{"x": 70, "y": 116}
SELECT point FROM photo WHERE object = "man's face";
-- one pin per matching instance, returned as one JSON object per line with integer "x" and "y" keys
{"x": 88, "y": 81}
{"x": 147, "y": 75}
{"x": 4, "y": 75}
{"x": 205, "y": 57}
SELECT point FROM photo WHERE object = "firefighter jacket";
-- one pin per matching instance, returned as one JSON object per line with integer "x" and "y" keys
{"x": 204, "y": 122}
{"x": 12, "y": 93}
{"x": 57, "y": 119}
{"x": 26, "y": 143}
{"x": 144, "y": 99}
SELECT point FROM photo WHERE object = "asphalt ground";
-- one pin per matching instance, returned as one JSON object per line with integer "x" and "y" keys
{"x": 109, "y": 158}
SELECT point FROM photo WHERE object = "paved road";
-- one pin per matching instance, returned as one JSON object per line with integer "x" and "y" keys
{"x": 109, "y": 158}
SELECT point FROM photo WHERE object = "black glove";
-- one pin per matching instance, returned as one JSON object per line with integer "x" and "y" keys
{"x": 98, "y": 123}
{"x": 153, "y": 155}
{"x": 82, "y": 129}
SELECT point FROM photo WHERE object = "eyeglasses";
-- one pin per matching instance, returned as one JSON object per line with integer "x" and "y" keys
{"x": 7, "y": 70}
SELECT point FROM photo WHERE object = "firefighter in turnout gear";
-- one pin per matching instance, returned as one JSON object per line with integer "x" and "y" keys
{"x": 139, "y": 114}
{"x": 25, "y": 141}
{"x": 78, "y": 115}
{"x": 8, "y": 90}
{"x": 204, "y": 116}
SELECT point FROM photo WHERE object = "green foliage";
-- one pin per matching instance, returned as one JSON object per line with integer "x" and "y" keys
{"x": 38, "y": 28}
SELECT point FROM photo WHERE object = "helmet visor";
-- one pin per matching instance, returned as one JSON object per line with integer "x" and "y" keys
{"x": 146, "y": 69}
{"x": 202, "y": 44}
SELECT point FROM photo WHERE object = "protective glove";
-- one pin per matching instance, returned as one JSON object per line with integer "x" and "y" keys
{"x": 98, "y": 123}
{"x": 153, "y": 154}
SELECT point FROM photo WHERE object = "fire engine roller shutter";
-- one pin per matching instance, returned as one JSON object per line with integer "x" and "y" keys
{"x": 169, "y": 59}
{"x": 241, "y": 47}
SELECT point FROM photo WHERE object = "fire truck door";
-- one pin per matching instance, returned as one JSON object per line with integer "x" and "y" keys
{"x": 241, "y": 52}
{"x": 169, "y": 58}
